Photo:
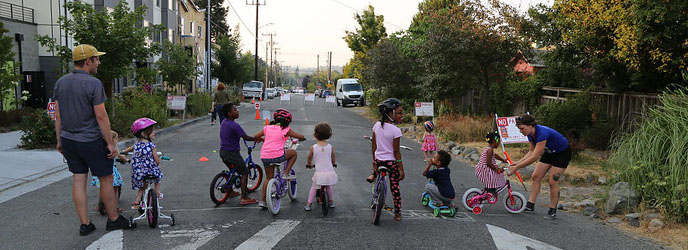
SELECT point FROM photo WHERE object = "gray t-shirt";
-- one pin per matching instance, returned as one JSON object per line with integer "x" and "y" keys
{"x": 77, "y": 93}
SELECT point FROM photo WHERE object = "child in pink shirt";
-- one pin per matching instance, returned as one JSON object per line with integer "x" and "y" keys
{"x": 274, "y": 137}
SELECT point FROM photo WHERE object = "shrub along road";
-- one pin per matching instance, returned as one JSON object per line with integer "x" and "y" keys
{"x": 46, "y": 217}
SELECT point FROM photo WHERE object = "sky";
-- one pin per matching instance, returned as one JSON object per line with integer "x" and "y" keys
{"x": 306, "y": 28}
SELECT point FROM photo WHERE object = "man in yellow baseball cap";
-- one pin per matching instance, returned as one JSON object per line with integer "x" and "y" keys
{"x": 83, "y": 135}
{"x": 87, "y": 57}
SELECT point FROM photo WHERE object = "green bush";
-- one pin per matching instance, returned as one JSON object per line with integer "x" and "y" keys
{"x": 11, "y": 118}
{"x": 599, "y": 135}
{"x": 136, "y": 104}
{"x": 653, "y": 157}
{"x": 373, "y": 97}
{"x": 38, "y": 130}
{"x": 198, "y": 104}
{"x": 570, "y": 118}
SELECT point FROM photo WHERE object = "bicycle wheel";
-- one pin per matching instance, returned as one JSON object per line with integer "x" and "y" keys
{"x": 218, "y": 188}
{"x": 255, "y": 177}
{"x": 292, "y": 186}
{"x": 325, "y": 200}
{"x": 516, "y": 203}
{"x": 273, "y": 196}
{"x": 468, "y": 195}
{"x": 379, "y": 203}
{"x": 152, "y": 209}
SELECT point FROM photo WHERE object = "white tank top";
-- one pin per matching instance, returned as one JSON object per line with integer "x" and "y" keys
{"x": 322, "y": 158}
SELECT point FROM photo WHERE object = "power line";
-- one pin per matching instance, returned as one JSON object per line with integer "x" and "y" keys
{"x": 242, "y": 21}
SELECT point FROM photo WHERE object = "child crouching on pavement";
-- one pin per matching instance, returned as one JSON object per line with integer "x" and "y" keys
{"x": 116, "y": 177}
{"x": 441, "y": 190}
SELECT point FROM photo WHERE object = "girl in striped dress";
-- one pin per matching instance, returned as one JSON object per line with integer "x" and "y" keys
{"x": 486, "y": 170}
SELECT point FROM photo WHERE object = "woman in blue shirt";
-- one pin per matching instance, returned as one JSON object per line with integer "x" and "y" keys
{"x": 554, "y": 153}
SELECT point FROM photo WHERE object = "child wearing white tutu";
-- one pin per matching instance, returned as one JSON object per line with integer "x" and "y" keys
{"x": 323, "y": 154}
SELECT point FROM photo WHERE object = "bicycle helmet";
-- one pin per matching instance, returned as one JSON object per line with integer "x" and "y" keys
{"x": 141, "y": 124}
{"x": 389, "y": 104}
{"x": 429, "y": 126}
{"x": 282, "y": 116}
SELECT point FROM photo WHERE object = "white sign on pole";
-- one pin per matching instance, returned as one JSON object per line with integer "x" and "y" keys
{"x": 266, "y": 115}
{"x": 330, "y": 99}
{"x": 285, "y": 97}
{"x": 257, "y": 105}
{"x": 309, "y": 98}
{"x": 51, "y": 109}
{"x": 176, "y": 102}
{"x": 508, "y": 130}
{"x": 425, "y": 109}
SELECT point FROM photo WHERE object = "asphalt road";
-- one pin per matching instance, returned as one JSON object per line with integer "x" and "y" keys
{"x": 46, "y": 218}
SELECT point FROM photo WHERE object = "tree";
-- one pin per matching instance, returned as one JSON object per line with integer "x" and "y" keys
{"x": 117, "y": 33}
{"x": 371, "y": 30}
{"x": 387, "y": 69}
{"x": 218, "y": 18}
{"x": 226, "y": 67}
{"x": 305, "y": 81}
{"x": 179, "y": 68}
{"x": 8, "y": 77}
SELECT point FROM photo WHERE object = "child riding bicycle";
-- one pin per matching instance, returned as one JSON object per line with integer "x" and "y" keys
{"x": 385, "y": 149}
{"x": 230, "y": 149}
{"x": 275, "y": 137}
{"x": 441, "y": 189}
{"x": 145, "y": 161}
{"x": 323, "y": 153}
{"x": 486, "y": 170}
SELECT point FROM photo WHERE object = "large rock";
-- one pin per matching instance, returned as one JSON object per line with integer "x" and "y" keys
{"x": 621, "y": 197}
{"x": 588, "y": 211}
{"x": 456, "y": 152}
{"x": 469, "y": 151}
{"x": 585, "y": 203}
{"x": 451, "y": 145}
{"x": 602, "y": 180}
{"x": 475, "y": 157}
{"x": 614, "y": 220}
{"x": 655, "y": 225}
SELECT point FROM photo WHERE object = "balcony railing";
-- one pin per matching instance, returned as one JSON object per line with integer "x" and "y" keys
{"x": 16, "y": 12}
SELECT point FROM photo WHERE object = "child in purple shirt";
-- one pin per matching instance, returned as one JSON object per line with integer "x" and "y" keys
{"x": 230, "y": 150}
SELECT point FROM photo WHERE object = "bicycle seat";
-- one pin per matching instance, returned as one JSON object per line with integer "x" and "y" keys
{"x": 150, "y": 177}
{"x": 382, "y": 168}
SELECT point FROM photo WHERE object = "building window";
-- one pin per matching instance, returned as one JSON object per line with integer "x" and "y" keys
{"x": 157, "y": 3}
{"x": 200, "y": 30}
{"x": 191, "y": 26}
{"x": 171, "y": 35}
{"x": 181, "y": 27}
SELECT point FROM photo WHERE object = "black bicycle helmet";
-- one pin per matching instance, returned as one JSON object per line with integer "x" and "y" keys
{"x": 389, "y": 104}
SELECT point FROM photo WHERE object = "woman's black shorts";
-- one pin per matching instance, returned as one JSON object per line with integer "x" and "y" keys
{"x": 559, "y": 159}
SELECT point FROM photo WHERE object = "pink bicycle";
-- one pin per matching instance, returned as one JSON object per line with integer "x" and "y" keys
{"x": 475, "y": 198}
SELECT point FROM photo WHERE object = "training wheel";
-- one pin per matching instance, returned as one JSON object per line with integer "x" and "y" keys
{"x": 477, "y": 210}
{"x": 436, "y": 212}
{"x": 452, "y": 212}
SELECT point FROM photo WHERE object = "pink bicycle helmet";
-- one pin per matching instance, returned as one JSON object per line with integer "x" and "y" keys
{"x": 429, "y": 126}
{"x": 141, "y": 124}
{"x": 283, "y": 117}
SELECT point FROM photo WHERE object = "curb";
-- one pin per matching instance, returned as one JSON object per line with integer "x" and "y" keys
{"x": 123, "y": 144}
{"x": 33, "y": 177}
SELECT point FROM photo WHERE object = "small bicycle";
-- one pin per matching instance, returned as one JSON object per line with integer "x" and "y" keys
{"x": 279, "y": 187}
{"x": 475, "y": 198}
{"x": 380, "y": 188}
{"x": 426, "y": 200}
{"x": 321, "y": 193}
{"x": 226, "y": 181}
{"x": 150, "y": 205}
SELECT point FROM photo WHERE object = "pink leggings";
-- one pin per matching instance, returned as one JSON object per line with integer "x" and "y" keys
{"x": 314, "y": 189}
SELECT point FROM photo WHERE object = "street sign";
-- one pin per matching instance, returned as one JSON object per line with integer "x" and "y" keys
{"x": 51, "y": 109}
{"x": 425, "y": 109}
{"x": 257, "y": 105}
{"x": 508, "y": 130}
{"x": 176, "y": 102}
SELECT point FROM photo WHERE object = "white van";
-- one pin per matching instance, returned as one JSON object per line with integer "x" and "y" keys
{"x": 253, "y": 89}
{"x": 349, "y": 91}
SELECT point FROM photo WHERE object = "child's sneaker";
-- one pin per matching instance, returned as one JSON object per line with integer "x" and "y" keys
{"x": 262, "y": 204}
{"x": 551, "y": 214}
{"x": 530, "y": 207}
{"x": 331, "y": 204}
{"x": 307, "y": 207}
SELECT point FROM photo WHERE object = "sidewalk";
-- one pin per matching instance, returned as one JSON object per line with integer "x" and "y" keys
{"x": 23, "y": 166}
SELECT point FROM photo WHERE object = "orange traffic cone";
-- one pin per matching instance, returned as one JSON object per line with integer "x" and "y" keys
{"x": 267, "y": 121}
{"x": 203, "y": 159}
{"x": 261, "y": 98}
{"x": 253, "y": 101}
{"x": 257, "y": 114}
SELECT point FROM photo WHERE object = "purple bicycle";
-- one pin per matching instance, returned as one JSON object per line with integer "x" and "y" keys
{"x": 380, "y": 188}
{"x": 279, "y": 187}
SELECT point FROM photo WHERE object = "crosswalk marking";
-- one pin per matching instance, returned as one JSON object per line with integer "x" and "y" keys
{"x": 507, "y": 240}
{"x": 195, "y": 238}
{"x": 109, "y": 241}
{"x": 269, "y": 236}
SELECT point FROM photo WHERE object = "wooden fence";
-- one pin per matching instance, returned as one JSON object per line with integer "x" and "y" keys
{"x": 620, "y": 107}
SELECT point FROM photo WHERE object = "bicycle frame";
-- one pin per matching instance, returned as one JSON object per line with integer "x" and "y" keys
{"x": 381, "y": 183}
{"x": 145, "y": 206}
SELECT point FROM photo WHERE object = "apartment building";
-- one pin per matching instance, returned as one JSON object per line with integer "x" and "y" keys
{"x": 193, "y": 35}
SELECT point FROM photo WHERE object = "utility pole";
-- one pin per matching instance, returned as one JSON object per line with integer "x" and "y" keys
{"x": 329, "y": 66}
{"x": 271, "y": 43}
{"x": 255, "y": 65}
{"x": 208, "y": 77}
{"x": 274, "y": 74}
{"x": 317, "y": 71}
{"x": 267, "y": 44}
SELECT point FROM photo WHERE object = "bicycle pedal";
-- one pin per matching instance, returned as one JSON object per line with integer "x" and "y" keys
{"x": 388, "y": 208}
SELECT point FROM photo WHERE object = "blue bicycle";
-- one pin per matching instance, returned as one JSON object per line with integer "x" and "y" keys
{"x": 224, "y": 183}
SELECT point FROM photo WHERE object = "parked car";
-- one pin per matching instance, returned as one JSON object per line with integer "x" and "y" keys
{"x": 271, "y": 93}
